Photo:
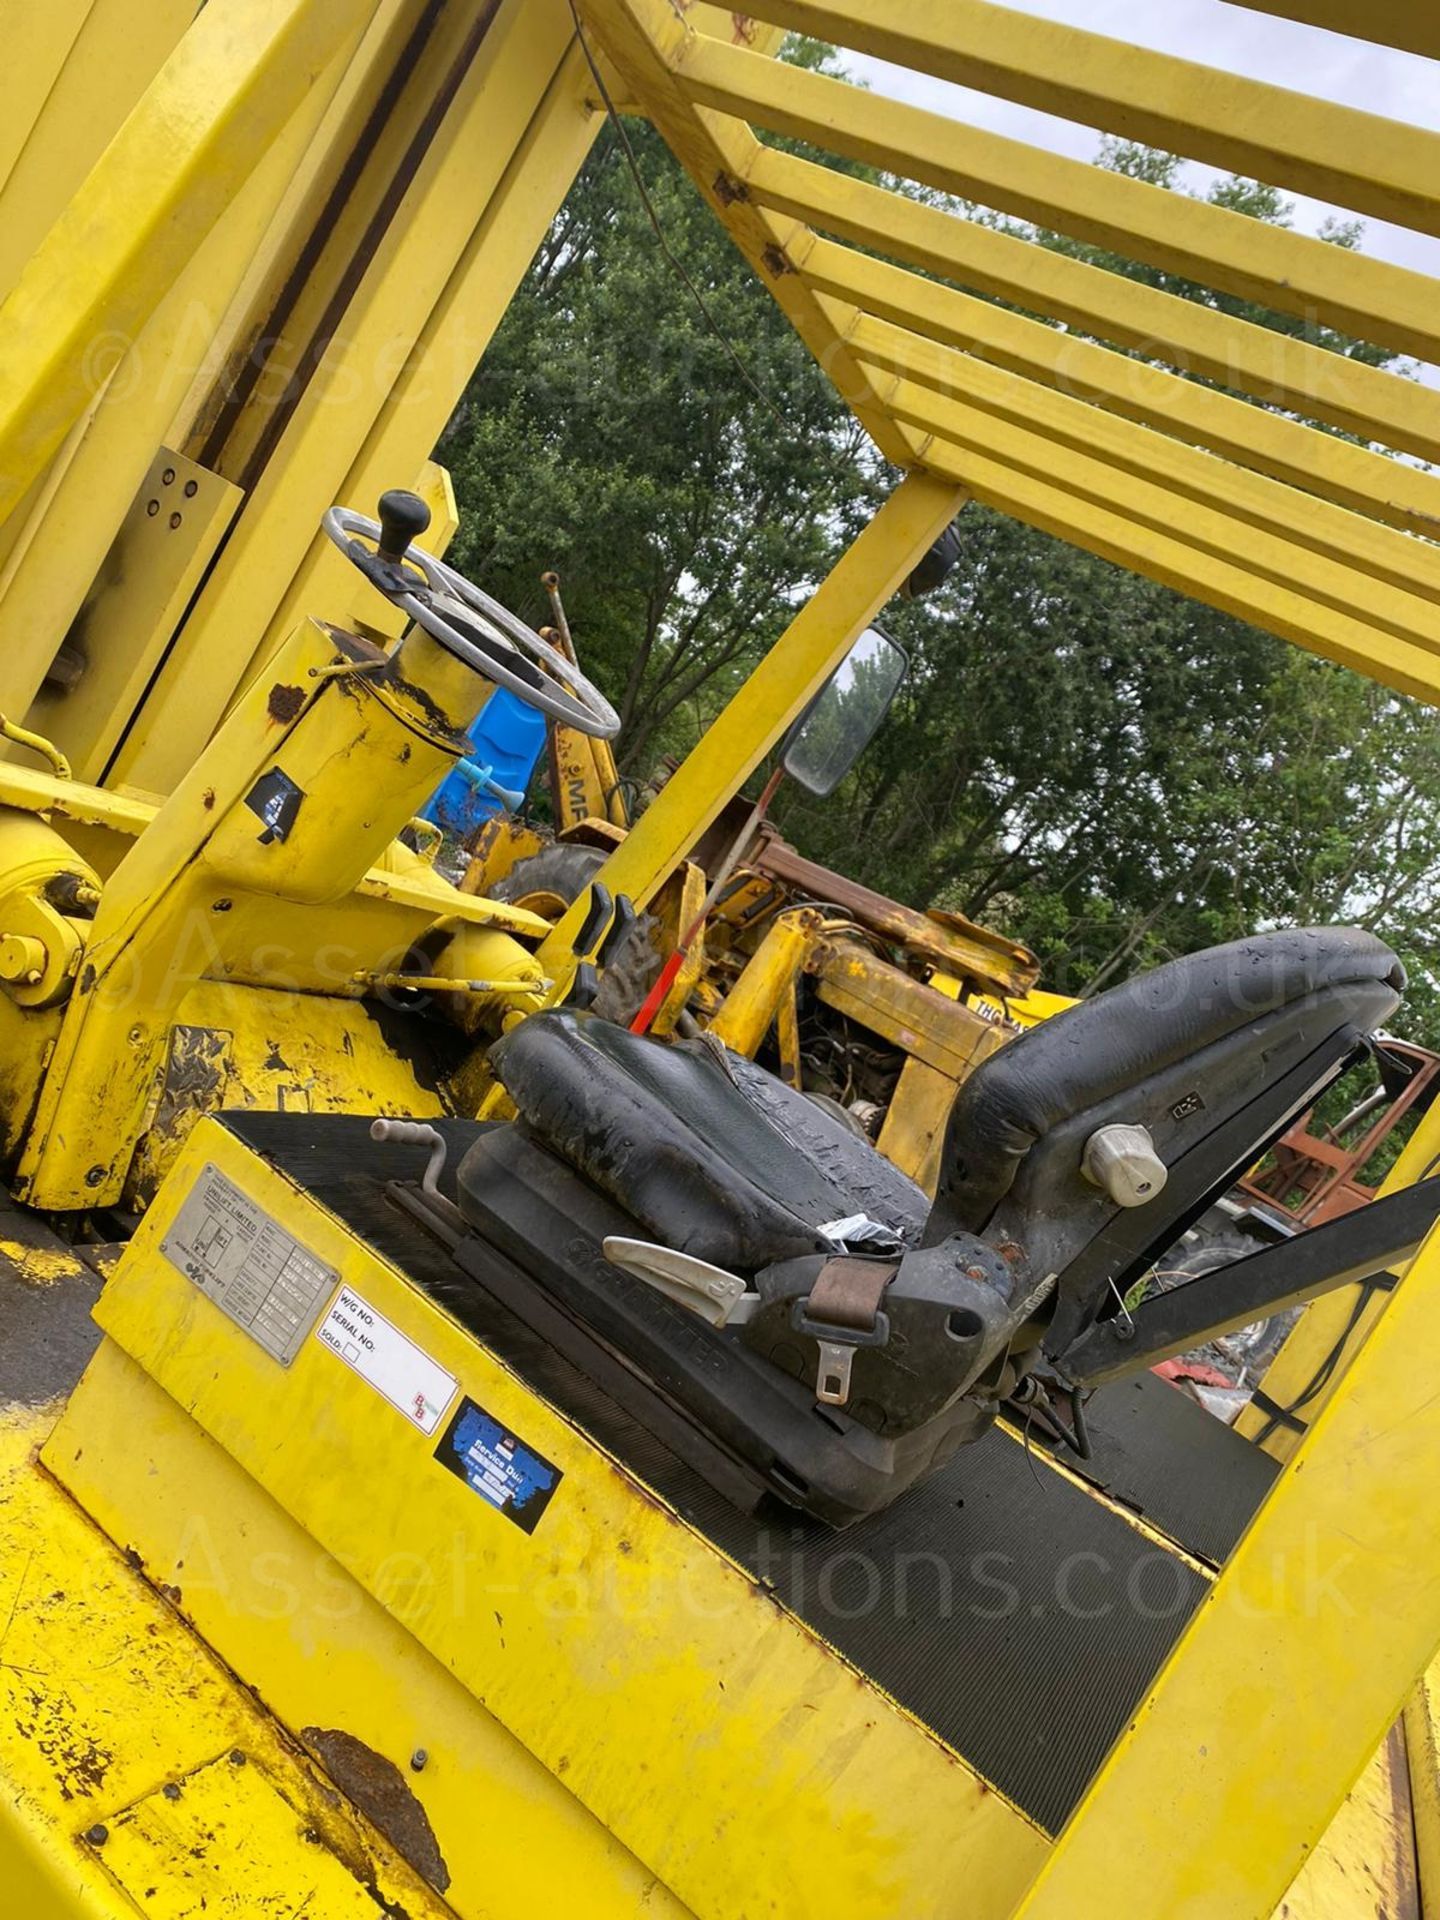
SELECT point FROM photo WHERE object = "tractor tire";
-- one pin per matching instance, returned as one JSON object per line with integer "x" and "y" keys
{"x": 553, "y": 879}
{"x": 1249, "y": 1349}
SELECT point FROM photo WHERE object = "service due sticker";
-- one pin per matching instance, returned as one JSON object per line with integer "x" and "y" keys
{"x": 494, "y": 1463}
{"x": 409, "y": 1379}
{"x": 247, "y": 1263}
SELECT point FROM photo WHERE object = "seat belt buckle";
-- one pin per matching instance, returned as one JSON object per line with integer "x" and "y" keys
{"x": 832, "y": 1376}
{"x": 842, "y": 1312}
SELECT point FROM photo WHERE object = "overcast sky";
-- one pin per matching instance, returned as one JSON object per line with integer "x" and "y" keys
{"x": 1307, "y": 59}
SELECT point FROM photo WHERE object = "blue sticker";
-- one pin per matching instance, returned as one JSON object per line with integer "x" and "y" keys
{"x": 516, "y": 1481}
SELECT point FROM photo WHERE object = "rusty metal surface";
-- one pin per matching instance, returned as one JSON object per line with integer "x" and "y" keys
{"x": 382, "y": 1793}
{"x": 925, "y": 1024}
{"x": 948, "y": 939}
{"x": 140, "y": 1775}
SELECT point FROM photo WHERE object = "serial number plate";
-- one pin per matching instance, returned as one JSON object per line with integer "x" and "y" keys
{"x": 247, "y": 1263}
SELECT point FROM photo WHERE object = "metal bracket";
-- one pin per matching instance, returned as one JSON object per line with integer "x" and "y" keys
{"x": 1358, "y": 1245}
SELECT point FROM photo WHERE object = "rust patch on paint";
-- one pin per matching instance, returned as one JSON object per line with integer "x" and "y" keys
{"x": 378, "y": 1788}
{"x": 284, "y": 702}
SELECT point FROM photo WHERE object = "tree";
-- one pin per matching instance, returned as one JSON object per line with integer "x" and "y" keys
{"x": 1102, "y": 767}
{"x": 1118, "y": 774}
{"x": 690, "y": 494}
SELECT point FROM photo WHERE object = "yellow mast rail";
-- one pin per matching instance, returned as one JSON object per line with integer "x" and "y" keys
{"x": 1346, "y": 560}
{"x": 1286, "y": 450}
{"x": 503, "y": 64}
{"x": 458, "y": 330}
{"x": 1288, "y": 272}
{"x": 73, "y": 70}
{"x": 1144, "y": 527}
{"x": 1240, "y": 354}
{"x": 95, "y": 483}
{"x": 1371, "y": 165}
{"x": 156, "y": 192}
{"x": 1411, "y": 25}
{"x": 645, "y": 38}
{"x": 92, "y": 487}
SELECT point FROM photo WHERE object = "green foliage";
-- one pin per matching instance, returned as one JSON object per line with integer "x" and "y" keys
{"x": 1099, "y": 766}
{"x": 689, "y": 502}
{"x": 1236, "y": 195}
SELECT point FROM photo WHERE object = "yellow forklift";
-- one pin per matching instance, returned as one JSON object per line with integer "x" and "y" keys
{"x": 497, "y": 1462}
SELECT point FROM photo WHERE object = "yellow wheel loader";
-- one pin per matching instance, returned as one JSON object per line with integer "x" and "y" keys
{"x": 875, "y": 1010}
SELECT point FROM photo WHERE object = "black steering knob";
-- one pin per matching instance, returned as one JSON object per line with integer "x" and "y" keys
{"x": 404, "y": 516}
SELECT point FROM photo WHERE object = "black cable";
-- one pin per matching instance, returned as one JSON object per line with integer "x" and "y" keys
{"x": 1376, "y": 1283}
{"x": 1025, "y": 1444}
{"x": 1076, "y": 1437}
{"x": 1287, "y": 1416}
{"x": 676, "y": 263}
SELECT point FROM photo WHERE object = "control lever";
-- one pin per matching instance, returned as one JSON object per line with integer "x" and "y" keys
{"x": 716, "y": 1296}
{"x": 584, "y": 988}
{"x": 597, "y": 918}
{"x": 605, "y": 925}
{"x": 404, "y": 516}
{"x": 414, "y": 1133}
{"x": 623, "y": 921}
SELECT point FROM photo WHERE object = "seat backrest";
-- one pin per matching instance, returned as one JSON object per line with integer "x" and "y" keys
{"x": 1213, "y": 1055}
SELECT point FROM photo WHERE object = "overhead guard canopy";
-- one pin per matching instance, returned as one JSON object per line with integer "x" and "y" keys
{"x": 1263, "y": 514}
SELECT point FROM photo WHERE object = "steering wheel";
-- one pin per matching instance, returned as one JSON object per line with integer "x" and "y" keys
{"x": 464, "y": 619}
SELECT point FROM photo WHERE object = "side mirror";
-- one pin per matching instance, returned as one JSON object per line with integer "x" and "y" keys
{"x": 846, "y": 714}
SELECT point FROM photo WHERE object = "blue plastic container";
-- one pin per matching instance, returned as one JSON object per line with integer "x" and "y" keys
{"x": 505, "y": 743}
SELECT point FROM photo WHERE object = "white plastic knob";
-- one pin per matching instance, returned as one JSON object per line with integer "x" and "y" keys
{"x": 1122, "y": 1160}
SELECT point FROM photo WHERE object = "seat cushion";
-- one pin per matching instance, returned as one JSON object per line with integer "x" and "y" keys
{"x": 1134, "y": 1033}
{"x": 731, "y": 1166}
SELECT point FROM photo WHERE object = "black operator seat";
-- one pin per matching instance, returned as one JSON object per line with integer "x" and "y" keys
{"x": 1212, "y": 1054}
{"x": 713, "y": 1155}
{"x": 1074, "y": 1158}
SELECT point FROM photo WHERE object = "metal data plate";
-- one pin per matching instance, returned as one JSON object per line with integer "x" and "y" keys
{"x": 247, "y": 1263}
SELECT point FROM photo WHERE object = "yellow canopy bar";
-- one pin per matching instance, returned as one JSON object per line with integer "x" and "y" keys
{"x": 1287, "y": 272}
{"x": 1396, "y": 579}
{"x": 1244, "y": 507}
{"x": 1372, "y": 165}
{"x": 1285, "y": 449}
{"x": 1146, "y": 528}
{"x": 1252, "y": 359}
{"x": 1410, "y": 25}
